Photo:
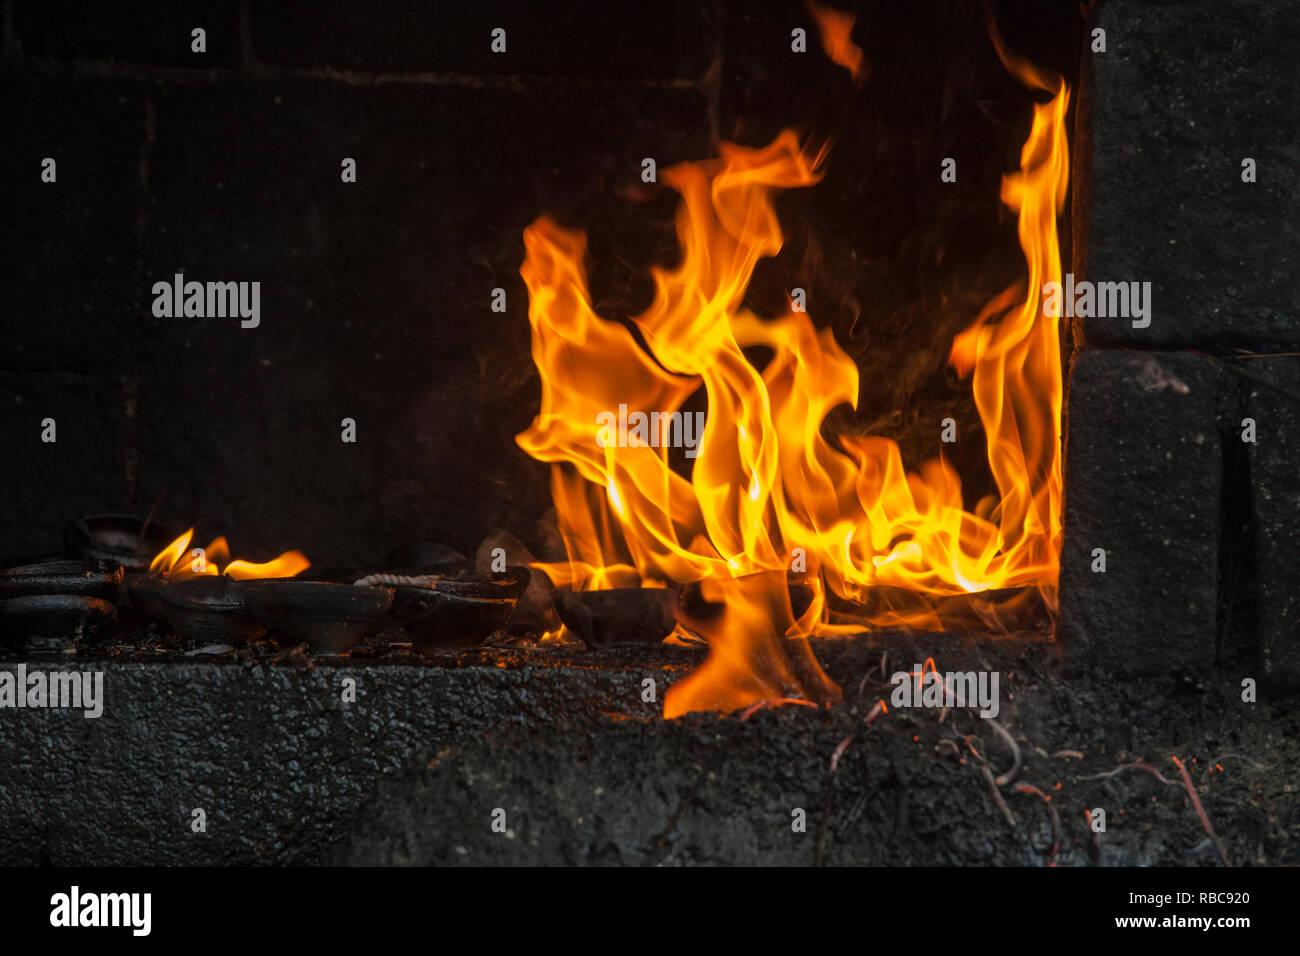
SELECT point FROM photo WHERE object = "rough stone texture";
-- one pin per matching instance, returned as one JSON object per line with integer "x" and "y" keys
{"x": 147, "y": 31}
{"x": 279, "y": 764}
{"x": 588, "y": 773}
{"x": 1169, "y": 132}
{"x": 1272, "y": 399}
{"x": 701, "y": 791}
{"x": 580, "y": 38}
{"x": 1199, "y": 527}
{"x": 85, "y": 469}
{"x": 1159, "y": 150}
{"x": 1144, "y": 481}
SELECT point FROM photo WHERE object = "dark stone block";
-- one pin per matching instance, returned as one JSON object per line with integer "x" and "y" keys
{"x": 705, "y": 791}
{"x": 1272, "y": 399}
{"x": 629, "y": 793}
{"x": 588, "y": 773}
{"x": 1170, "y": 129}
{"x": 71, "y": 280}
{"x": 148, "y": 31}
{"x": 1144, "y": 481}
{"x": 271, "y": 754}
{"x": 586, "y": 38}
{"x": 1210, "y": 519}
{"x": 87, "y": 469}
{"x": 375, "y": 300}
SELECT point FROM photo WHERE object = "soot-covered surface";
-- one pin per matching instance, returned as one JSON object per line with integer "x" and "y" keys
{"x": 266, "y": 743}
{"x": 587, "y": 771}
{"x": 907, "y": 788}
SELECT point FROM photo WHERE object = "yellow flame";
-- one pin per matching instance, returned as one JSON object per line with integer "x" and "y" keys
{"x": 767, "y": 485}
{"x": 170, "y": 556}
{"x": 287, "y": 565}
{"x": 178, "y": 560}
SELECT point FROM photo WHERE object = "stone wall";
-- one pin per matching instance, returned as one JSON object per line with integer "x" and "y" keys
{"x": 1180, "y": 460}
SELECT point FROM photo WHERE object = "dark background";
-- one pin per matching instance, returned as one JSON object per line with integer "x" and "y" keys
{"x": 375, "y": 295}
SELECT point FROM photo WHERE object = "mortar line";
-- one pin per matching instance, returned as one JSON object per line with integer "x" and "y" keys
{"x": 154, "y": 72}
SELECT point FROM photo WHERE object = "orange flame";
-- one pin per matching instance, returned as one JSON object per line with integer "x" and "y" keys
{"x": 769, "y": 495}
{"x": 177, "y": 561}
{"x": 835, "y": 27}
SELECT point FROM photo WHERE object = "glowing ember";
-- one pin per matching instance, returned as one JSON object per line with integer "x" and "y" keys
{"x": 769, "y": 498}
{"x": 177, "y": 560}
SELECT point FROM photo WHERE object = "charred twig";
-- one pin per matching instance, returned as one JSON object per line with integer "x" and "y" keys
{"x": 501, "y": 638}
{"x": 839, "y": 752}
{"x": 1254, "y": 763}
{"x": 876, "y": 710}
{"x": 297, "y": 656}
{"x": 1200, "y": 812}
{"x": 1136, "y": 765}
{"x": 1010, "y": 775}
{"x": 862, "y": 684}
{"x": 212, "y": 649}
{"x": 997, "y": 795}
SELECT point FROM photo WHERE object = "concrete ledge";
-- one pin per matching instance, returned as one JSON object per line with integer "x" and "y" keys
{"x": 272, "y": 754}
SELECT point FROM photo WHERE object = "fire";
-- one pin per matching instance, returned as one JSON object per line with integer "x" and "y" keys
{"x": 770, "y": 500}
{"x": 835, "y": 27}
{"x": 175, "y": 562}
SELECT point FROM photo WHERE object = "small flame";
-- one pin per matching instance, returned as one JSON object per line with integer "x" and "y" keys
{"x": 170, "y": 556}
{"x": 287, "y": 565}
{"x": 178, "y": 561}
{"x": 755, "y": 650}
{"x": 835, "y": 28}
